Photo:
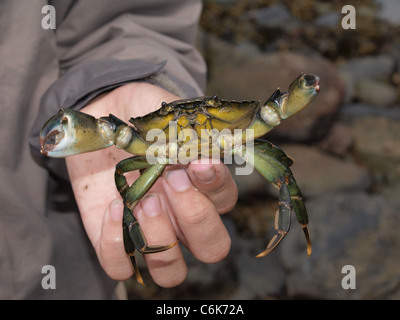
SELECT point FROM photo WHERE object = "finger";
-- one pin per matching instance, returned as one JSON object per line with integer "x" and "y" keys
{"x": 203, "y": 232}
{"x": 111, "y": 252}
{"x": 167, "y": 268}
{"x": 216, "y": 182}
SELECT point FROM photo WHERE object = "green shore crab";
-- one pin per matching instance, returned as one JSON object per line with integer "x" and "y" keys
{"x": 213, "y": 125}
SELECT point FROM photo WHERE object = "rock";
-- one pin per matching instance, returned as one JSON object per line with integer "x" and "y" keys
{"x": 368, "y": 79}
{"x": 258, "y": 278}
{"x": 318, "y": 173}
{"x": 354, "y": 229}
{"x": 389, "y": 11}
{"x": 328, "y": 20}
{"x": 234, "y": 75}
{"x": 248, "y": 48}
{"x": 338, "y": 141}
{"x": 394, "y": 51}
{"x": 374, "y": 92}
{"x": 276, "y": 16}
{"x": 391, "y": 191}
{"x": 225, "y": 2}
{"x": 376, "y": 135}
{"x": 249, "y": 231}
{"x": 378, "y": 68}
{"x": 350, "y": 82}
{"x": 323, "y": 8}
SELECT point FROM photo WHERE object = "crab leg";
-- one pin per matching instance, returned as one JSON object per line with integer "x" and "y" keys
{"x": 273, "y": 165}
{"x": 132, "y": 232}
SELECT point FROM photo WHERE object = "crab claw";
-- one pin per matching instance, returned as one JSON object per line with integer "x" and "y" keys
{"x": 72, "y": 132}
{"x": 282, "y": 105}
{"x": 301, "y": 92}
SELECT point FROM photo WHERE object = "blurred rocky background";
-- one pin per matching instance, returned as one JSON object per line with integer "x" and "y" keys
{"x": 346, "y": 147}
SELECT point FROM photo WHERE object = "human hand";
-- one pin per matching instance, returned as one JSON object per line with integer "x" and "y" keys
{"x": 185, "y": 203}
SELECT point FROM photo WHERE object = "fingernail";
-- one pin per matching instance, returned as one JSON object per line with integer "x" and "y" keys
{"x": 116, "y": 209}
{"x": 205, "y": 176}
{"x": 178, "y": 180}
{"x": 151, "y": 205}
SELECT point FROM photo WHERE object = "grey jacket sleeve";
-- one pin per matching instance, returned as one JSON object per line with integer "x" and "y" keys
{"x": 151, "y": 41}
{"x": 151, "y": 30}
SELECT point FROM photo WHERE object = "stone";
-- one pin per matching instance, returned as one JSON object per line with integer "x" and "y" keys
{"x": 350, "y": 82}
{"x": 389, "y": 11}
{"x": 249, "y": 226}
{"x": 258, "y": 277}
{"x": 375, "y": 92}
{"x": 376, "y": 134}
{"x": 356, "y": 229}
{"x": 338, "y": 141}
{"x": 378, "y": 67}
{"x": 328, "y": 20}
{"x": 276, "y": 16}
{"x": 318, "y": 173}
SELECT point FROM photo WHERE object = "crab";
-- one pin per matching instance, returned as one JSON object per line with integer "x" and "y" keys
{"x": 186, "y": 130}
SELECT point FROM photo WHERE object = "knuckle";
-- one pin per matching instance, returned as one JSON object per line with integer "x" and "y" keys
{"x": 223, "y": 191}
{"x": 117, "y": 267}
{"x": 120, "y": 273}
{"x": 199, "y": 213}
{"x": 217, "y": 251}
{"x": 228, "y": 200}
{"x": 222, "y": 178}
{"x": 170, "y": 281}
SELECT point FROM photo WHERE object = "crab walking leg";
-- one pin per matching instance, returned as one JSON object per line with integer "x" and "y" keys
{"x": 132, "y": 232}
{"x": 130, "y": 247}
{"x": 128, "y": 165}
{"x": 273, "y": 165}
{"x": 132, "y": 196}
